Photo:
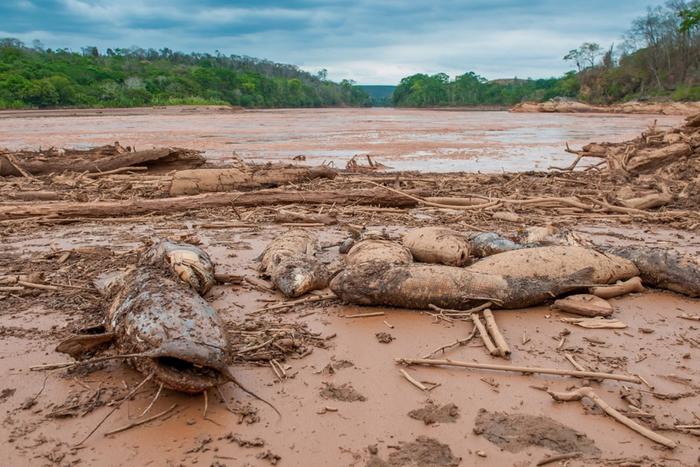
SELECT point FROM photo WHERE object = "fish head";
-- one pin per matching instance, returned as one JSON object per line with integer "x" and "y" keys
{"x": 190, "y": 263}
{"x": 186, "y": 366}
{"x": 178, "y": 336}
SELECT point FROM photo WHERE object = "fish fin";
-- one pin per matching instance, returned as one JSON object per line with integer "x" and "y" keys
{"x": 79, "y": 345}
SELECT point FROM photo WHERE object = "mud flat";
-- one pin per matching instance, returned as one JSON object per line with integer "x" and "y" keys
{"x": 403, "y": 139}
{"x": 330, "y": 367}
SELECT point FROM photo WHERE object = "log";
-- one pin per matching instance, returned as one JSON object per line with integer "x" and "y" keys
{"x": 584, "y": 305}
{"x": 651, "y": 201}
{"x": 209, "y": 200}
{"x": 288, "y": 217}
{"x": 94, "y": 161}
{"x": 35, "y": 195}
{"x": 650, "y": 159}
{"x": 191, "y": 182}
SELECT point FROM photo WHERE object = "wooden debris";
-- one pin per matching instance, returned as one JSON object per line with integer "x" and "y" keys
{"x": 519, "y": 369}
{"x": 633, "y": 285}
{"x": 588, "y": 392}
{"x": 498, "y": 338}
{"x": 584, "y": 304}
{"x": 490, "y": 346}
{"x": 595, "y": 323}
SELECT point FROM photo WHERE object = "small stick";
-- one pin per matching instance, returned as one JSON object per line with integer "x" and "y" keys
{"x": 453, "y": 344}
{"x": 141, "y": 422}
{"x": 588, "y": 392}
{"x": 116, "y": 171}
{"x": 155, "y": 398}
{"x": 390, "y": 326}
{"x": 206, "y": 404}
{"x": 56, "y": 366}
{"x": 311, "y": 298}
{"x": 484, "y": 335}
{"x": 575, "y": 364}
{"x": 560, "y": 457}
{"x": 365, "y": 315}
{"x": 117, "y": 405}
{"x": 498, "y": 338}
{"x": 275, "y": 371}
{"x": 32, "y": 285}
{"x": 412, "y": 380}
{"x": 520, "y": 369}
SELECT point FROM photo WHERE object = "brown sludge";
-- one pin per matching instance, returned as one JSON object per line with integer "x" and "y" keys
{"x": 77, "y": 226}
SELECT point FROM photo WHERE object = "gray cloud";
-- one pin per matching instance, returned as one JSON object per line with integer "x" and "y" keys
{"x": 370, "y": 42}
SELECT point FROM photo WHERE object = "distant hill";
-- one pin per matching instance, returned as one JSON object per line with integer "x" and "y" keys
{"x": 34, "y": 77}
{"x": 380, "y": 94}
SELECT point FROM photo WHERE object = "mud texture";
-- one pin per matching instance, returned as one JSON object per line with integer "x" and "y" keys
{"x": 432, "y": 413}
{"x": 343, "y": 392}
{"x": 515, "y": 432}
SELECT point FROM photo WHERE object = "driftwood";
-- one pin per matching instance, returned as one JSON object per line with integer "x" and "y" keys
{"x": 209, "y": 200}
{"x": 191, "y": 182}
{"x": 621, "y": 288}
{"x": 498, "y": 339}
{"x": 285, "y": 217}
{"x": 584, "y": 305}
{"x": 103, "y": 159}
{"x": 588, "y": 392}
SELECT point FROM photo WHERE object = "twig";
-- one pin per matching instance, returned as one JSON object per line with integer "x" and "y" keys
{"x": 559, "y": 457}
{"x": 575, "y": 364}
{"x": 116, "y": 171}
{"x": 484, "y": 335}
{"x": 365, "y": 315}
{"x": 55, "y": 366}
{"x": 588, "y": 392}
{"x": 453, "y": 344}
{"x": 117, "y": 405}
{"x": 141, "y": 422}
{"x": 498, "y": 338}
{"x": 412, "y": 380}
{"x": 519, "y": 369}
{"x": 155, "y": 398}
{"x": 309, "y": 299}
{"x": 206, "y": 404}
{"x": 32, "y": 285}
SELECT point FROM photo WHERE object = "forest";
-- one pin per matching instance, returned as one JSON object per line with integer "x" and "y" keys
{"x": 36, "y": 77}
{"x": 659, "y": 58}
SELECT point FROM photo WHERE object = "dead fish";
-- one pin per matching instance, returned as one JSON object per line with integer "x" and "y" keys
{"x": 373, "y": 249}
{"x": 420, "y": 285}
{"x": 490, "y": 243}
{"x": 190, "y": 263}
{"x": 557, "y": 262}
{"x": 664, "y": 268}
{"x": 181, "y": 336}
{"x": 438, "y": 245}
{"x": 290, "y": 261}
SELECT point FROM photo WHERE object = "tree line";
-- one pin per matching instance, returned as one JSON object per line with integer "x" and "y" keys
{"x": 37, "y": 77}
{"x": 659, "y": 57}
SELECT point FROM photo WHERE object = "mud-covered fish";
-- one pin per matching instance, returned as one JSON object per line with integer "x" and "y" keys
{"x": 157, "y": 313}
{"x": 486, "y": 244}
{"x": 419, "y": 285}
{"x": 191, "y": 264}
{"x": 373, "y": 249}
{"x": 438, "y": 245}
{"x": 664, "y": 268}
{"x": 291, "y": 263}
{"x": 513, "y": 279}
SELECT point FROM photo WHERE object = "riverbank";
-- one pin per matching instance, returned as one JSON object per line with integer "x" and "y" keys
{"x": 632, "y": 107}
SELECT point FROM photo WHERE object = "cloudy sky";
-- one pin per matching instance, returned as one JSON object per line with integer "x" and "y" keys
{"x": 372, "y": 42}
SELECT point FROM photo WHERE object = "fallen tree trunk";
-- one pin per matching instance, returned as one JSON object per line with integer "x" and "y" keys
{"x": 94, "y": 161}
{"x": 209, "y": 200}
{"x": 191, "y": 182}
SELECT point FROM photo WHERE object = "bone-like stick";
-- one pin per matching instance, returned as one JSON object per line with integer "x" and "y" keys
{"x": 484, "y": 335}
{"x": 621, "y": 288}
{"x": 588, "y": 392}
{"x": 520, "y": 369}
{"x": 498, "y": 338}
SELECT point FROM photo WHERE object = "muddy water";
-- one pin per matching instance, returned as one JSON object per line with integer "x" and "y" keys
{"x": 440, "y": 141}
